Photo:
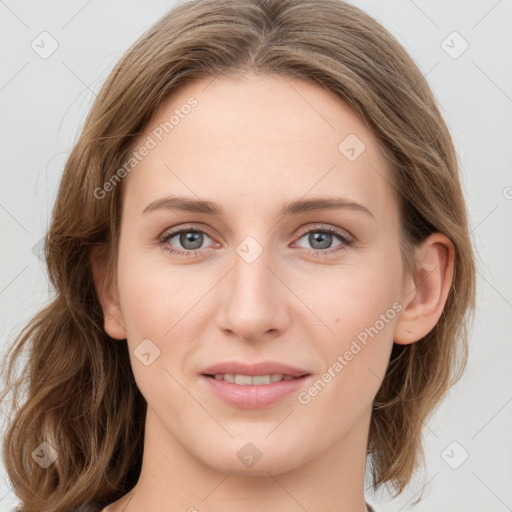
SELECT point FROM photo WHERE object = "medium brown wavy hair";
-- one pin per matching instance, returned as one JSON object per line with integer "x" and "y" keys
{"x": 75, "y": 388}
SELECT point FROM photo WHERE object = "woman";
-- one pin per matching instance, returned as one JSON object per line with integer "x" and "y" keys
{"x": 262, "y": 268}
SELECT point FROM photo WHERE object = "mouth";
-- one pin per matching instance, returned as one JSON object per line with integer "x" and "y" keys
{"x": 254, "y": 391}
{"x": 254, "y": 380}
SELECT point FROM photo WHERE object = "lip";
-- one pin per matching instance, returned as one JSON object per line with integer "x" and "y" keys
{"x": 260, "y": 368}
{"x": 253, "y": 397}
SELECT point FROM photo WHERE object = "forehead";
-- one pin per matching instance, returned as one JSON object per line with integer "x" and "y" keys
{"x": 260, "y": 140}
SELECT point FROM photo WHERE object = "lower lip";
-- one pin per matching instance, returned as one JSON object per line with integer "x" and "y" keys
{"x": 253, "y": 397}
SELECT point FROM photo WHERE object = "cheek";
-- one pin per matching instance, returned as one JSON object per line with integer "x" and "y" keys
{"x": 154, "y": 294}
{"x": 163, "y": 304}
{"x": 350, "y": 299}
{"x": 152, "y": 304}
{"x": 145, "y": 308}
{"x": 355, "y": 358}
{"x": 360, "y": 307}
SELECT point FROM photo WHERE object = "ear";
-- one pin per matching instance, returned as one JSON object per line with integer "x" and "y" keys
{"x": 106, "y": 292}
{"x": 425, "y": 293}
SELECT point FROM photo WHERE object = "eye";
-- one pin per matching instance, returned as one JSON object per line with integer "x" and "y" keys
{"x": 191, "y": 240}
{"x": 322, "y": 237}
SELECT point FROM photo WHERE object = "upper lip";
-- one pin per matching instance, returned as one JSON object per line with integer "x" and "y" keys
{"x": 261, "y": 368}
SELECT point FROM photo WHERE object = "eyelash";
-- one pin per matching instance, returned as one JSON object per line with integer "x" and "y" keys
{"x": 342, "y": 236}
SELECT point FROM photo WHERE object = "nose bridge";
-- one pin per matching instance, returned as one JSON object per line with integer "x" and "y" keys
{"x": 251, "y": 277}
{"x": 253, "y": 302}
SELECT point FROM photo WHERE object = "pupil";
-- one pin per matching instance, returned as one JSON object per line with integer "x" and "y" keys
{"x": 192, "y": 237}
{"x": 323, "y": 238}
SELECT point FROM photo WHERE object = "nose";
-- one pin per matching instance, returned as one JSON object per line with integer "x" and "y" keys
{"x": 254, "y": 300}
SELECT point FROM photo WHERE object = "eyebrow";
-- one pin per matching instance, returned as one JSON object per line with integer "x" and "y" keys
{"x": 292, "y": 208}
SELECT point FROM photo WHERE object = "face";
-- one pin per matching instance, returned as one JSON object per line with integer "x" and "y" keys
{"x": 262, "y": 278}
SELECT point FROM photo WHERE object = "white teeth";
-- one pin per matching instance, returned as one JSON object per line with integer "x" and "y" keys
{"x": 257, "y": 380}
{"x": 243, "y": 379}
{"x": 262, "y": 379}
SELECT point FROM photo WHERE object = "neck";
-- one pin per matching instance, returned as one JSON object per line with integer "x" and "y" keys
{"x": 333, "y": 481}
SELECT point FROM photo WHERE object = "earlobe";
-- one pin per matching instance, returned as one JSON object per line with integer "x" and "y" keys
{"x": 426, "y": 293}
{"x": 106, "y": 293}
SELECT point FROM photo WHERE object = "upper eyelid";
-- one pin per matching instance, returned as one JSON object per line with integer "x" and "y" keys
{"x": 329, "y": 229}
{"x": 178, "y": 229}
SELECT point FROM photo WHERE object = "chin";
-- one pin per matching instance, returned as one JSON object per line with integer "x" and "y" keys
{"x": 244, "y": 457}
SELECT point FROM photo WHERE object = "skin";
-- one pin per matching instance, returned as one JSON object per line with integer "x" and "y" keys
{"x": 252, "y": 144}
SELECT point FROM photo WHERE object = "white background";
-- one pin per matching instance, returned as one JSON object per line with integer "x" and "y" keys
{"x": 43, "y": 103}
